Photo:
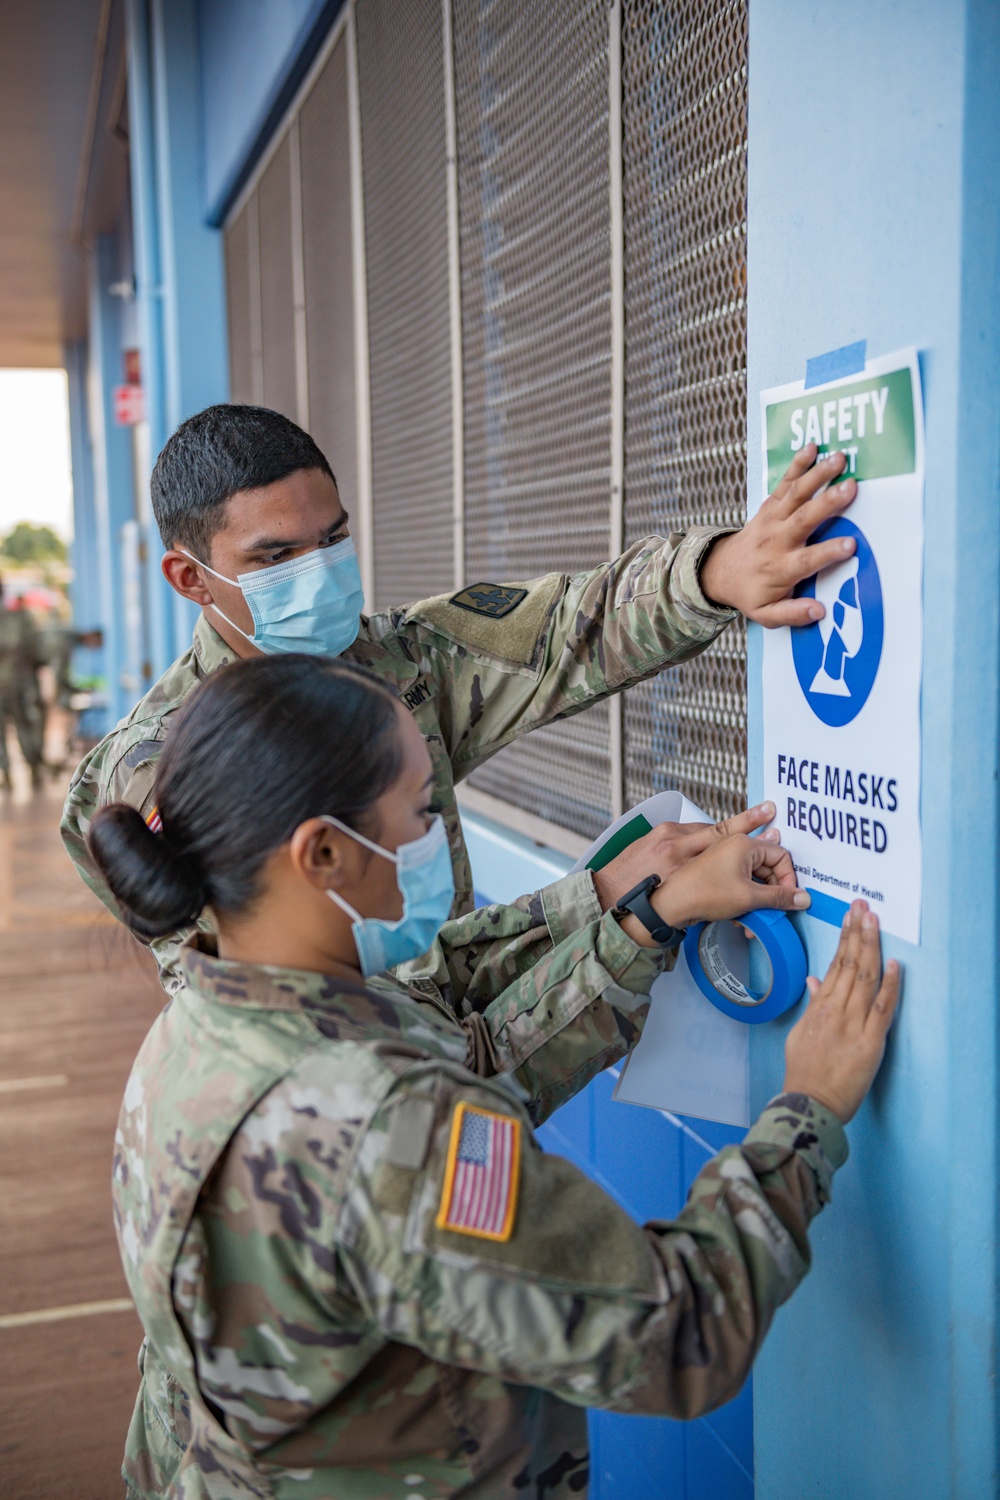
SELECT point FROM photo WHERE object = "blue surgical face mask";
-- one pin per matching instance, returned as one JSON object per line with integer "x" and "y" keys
{"x": 427, "y": 884}
{"x": 311, "y": 604}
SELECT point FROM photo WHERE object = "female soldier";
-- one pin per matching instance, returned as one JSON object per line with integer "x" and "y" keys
{"x": 358, "y": 1274}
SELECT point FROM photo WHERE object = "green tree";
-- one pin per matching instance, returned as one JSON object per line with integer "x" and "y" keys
{"x": 33, "y": 544}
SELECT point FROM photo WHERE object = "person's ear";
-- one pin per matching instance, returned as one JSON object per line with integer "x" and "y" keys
{"x": 185, "y": 578}
{"x": 323, "y": 856}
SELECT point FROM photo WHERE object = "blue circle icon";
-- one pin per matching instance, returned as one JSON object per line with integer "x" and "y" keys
{"x": 837, "y": 658}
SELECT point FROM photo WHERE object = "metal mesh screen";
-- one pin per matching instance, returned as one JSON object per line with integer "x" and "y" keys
{"x": 237, "y": 245}
{"x": 326, "y": 234}
{"x": 277, "y": 304}
{"x": 684, "y": 68}
{"x": 401, "y": 83}
{"x": 531, "y": 85}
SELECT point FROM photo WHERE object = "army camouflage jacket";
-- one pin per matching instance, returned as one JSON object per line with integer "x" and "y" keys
{"x": 327, "y": 1317}
{"x": 20, "y": 652}
{"x": 477, "y": 669}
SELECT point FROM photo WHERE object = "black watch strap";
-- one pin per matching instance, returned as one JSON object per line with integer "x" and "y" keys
{"x": 637, "y": 902}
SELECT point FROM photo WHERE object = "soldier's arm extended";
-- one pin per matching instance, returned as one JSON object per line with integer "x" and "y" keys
{"x": 549, "y": 989}
{"x": 506, "y": 659}
{"x": 114, "y": 771}
{"x": 122, "y": 768}
{"x": 576, "y": 1298}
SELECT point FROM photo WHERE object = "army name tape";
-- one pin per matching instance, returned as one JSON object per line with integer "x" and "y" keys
{"x": 705, "y": 950}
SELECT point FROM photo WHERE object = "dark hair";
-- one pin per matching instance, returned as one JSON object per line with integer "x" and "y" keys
{"x": 214, "y": 455}
{"x": 258, "y": 748}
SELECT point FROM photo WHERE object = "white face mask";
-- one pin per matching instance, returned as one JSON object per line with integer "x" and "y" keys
{"x": 312, "y": 603}
{"x": 427, "y": 884}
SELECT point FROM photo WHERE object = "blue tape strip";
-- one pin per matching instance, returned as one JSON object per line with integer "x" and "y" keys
{"x": 787, "y": 958}
{"x": 850, "y": 360}
{"x": 827, "y": 908}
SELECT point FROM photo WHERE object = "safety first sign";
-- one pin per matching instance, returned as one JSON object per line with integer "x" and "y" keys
{"x": 842, "y": 696}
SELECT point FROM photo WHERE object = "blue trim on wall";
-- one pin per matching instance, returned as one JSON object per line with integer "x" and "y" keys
{"x": 229, "y": 165}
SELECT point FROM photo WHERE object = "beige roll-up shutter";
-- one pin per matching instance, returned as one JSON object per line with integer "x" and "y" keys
{"x": 237, "y": 248}
{"x": 277, "y": 309}
{"x": 684, "y": 72}
{"x": 531, "y": 84}
{"x": 401, "y": 83}
{"x": 534, "y": 286}
{"x": 324, "y": 152}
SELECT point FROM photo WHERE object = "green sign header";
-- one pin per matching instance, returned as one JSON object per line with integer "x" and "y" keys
{"x": 871, "y": 420}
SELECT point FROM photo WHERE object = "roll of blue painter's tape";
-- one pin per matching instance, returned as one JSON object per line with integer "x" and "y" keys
{"x": 773, "y": 983}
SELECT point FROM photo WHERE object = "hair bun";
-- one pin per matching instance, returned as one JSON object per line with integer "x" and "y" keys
{"x": 157, "y": 889}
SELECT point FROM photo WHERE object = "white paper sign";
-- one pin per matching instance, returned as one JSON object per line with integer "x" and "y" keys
{"x": 690, "y": 1059}
{"x": 842, "y": 697}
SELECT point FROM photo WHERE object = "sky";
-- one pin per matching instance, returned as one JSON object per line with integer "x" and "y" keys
{"x": 35, "y": 480}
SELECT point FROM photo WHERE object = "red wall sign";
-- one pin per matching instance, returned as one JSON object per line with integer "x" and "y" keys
{"x": 130, "y": 405}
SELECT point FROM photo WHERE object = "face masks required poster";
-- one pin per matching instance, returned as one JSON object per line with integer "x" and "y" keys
{"x": 842, "y": 696}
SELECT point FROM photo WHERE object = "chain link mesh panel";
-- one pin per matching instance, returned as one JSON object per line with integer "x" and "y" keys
{"x": 325, "y": 167}
{"x": 277, "y": 298}
{"x": 532, "y": 119}
{"x": 401, "y": 80}
{"x": 531, "y": 85}
{"x": 237, "y": 247}
{"x": 684, "y": 68}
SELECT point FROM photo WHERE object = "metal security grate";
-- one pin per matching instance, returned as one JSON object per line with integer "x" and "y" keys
{"x": 326, "y": 253}
{"x": 277, "y": 309}
{"x": 401, "y": 80}
{"x": 684, "y": 70}
{"x": 534, "y": 185}
{"x": 238, "y": 307}
{"x": 531, "y": 85}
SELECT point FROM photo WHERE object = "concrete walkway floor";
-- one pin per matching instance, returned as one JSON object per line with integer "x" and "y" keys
{"x": 77, "y": 995}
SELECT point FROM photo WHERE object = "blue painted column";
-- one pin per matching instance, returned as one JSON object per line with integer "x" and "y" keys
{"x": 195, "y": 350}
{"x": 149, "y": 305}
{"x": 179, "y": 271}
{"x": 874, "y": 212}
{"x": 86, "y": 588}
{"x": 111, "y": 448}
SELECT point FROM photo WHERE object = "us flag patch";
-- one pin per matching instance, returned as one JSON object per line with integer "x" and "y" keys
{"x": 480, "y": 1181}
{"x": 154, "y": 822}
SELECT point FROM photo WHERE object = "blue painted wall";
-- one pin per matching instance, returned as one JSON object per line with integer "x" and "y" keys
{"x": 111, "y": 454}
{"x": 646, "y": 1159}
{"x": 254, "y": 53}
{"x": 85, "y": 555}
{"x": 180, "y": 288}
{"x": 874, "y": 213}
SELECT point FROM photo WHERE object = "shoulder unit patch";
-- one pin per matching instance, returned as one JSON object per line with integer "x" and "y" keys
{"x": 479, "y": 1196}
{"x": 494, "y": 600}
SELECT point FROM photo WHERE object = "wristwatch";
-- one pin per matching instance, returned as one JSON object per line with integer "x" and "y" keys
{"x": 637, "y": 903}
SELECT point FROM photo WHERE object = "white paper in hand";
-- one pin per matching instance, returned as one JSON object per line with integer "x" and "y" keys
{"x": 691, "y": 1059}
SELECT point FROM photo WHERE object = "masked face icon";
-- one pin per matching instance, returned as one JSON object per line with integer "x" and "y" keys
{"x": 841, "y": 629}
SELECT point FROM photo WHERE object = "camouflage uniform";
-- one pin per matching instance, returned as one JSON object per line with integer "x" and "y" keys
{"x": 20, "y": 657}
{"x": 477, "y": 669}
{"x": 315, "y": 1331}
{"x": 56, "y": 643}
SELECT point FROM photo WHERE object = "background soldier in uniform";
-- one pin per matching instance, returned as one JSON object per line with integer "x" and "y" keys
{"x": 358, "y": 1275}
{"x": 20, "y": 658}
{"x": 256, "y": 534}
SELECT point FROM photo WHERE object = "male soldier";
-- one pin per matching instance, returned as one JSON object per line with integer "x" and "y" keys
{"x": 256, "y": 534}
{"x": 20, "y": 658}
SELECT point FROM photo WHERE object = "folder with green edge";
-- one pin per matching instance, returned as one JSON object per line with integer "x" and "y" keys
{"x": 625, "y": 835}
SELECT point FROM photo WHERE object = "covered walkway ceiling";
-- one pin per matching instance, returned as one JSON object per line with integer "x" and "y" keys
{"x": 63, "y": 164}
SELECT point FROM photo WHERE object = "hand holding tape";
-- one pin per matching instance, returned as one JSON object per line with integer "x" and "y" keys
{"x": 693, "y": 1056}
